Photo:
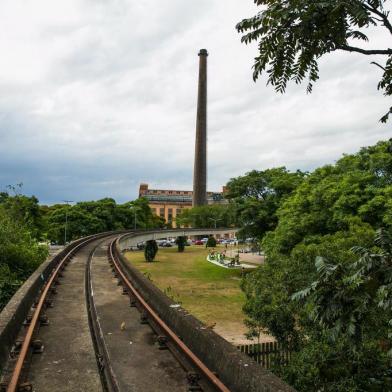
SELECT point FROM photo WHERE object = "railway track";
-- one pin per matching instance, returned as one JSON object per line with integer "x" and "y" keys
{"x": 91, "y": 330}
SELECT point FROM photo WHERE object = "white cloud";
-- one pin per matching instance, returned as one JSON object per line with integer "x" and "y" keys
{"x": 97, "y": 96}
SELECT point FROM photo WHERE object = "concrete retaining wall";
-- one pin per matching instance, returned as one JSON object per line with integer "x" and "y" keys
{"x": 239, "y": 372}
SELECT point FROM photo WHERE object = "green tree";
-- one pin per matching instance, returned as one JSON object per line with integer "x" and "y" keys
{"x": 256, "y": 197}
{"x": 25, "y": 210}
{"x": 351, "y": 303}
{"x": 90, "y": 217}
{"x": 214, "y": 215}
{"x": 293, "y": 35}
{"x": 150, "y": 250}
{"x": 20, "y": 255}
{"x": 211, "y": 242}
{"x": 351, "y": 195}
{"x": 80, "y": 223}
{"x": 181, "y": 242}
{"x": 331, "y": 211}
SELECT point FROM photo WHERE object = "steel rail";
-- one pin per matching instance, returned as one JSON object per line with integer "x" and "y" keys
{"x": 207, "y": 373}
{"x": 13, "y": 384}
{"x": 108, "y": 377}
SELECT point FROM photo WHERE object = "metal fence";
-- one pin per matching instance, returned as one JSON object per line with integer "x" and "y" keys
{"x": 267, "y": 354}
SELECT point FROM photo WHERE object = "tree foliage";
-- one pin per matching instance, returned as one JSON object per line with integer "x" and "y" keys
{"x": 181, "y": 242}
{"x": 351, "y": 303}
{"x": 91, "y": 217}
{"x": 211, "y": 242}
{"x": 25, "y": 210}
{"x": 256, "y": 197}
{"x": 214, "y": 215}
{"x": 20, "y": 254}
{"x": 339, "y": 329}
{"x": 293, "y": 35}
{"x": 150, "y": 250}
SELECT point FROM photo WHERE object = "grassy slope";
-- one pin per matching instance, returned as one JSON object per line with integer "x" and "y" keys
{"x": 209, "y": 292}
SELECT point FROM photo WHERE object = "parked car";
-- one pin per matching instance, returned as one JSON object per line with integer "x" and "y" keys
{"x": 199, "y": 242}
{"x": 167, "y": 244}
{"x": 141, "y": 245}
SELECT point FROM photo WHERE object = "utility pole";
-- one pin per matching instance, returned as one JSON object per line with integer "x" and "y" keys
{"x": 66, "y": 220}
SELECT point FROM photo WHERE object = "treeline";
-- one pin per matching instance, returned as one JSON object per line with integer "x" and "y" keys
{"x": 20, "y": 253}
{"x": 26, "y": 227}
{"x": 325, "y": 290}
{"x": 49, "y": 223}
{"x": 91, "y": 217}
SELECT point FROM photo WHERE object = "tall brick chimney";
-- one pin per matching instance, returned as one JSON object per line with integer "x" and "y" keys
{"x": 200, "y": 166}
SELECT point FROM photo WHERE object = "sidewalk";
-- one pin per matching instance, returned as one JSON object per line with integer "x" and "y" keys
{"x": 252, "y": 258}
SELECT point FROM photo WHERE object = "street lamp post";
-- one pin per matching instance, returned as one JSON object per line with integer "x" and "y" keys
{"x": 215, "y": 220}
{"x": 66, "y": 220}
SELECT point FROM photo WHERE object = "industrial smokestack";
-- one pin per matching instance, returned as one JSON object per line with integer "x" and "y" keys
{"x": 200, "y": 168}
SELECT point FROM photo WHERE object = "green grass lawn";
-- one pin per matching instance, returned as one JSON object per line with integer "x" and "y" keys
{"x": 209, "y": 292}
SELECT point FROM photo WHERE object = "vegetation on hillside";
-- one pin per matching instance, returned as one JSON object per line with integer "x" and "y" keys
{"x": 318, "y": 293}
{"x": 20, "y": 253}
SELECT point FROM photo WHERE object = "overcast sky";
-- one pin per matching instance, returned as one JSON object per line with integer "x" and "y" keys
{"x": 98, "y": 96}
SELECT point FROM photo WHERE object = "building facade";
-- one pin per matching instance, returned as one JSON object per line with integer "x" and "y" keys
{"x": 168, "y": 204}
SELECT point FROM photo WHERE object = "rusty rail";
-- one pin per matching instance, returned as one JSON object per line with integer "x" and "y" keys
{"x": 26, "y": 345}
{"x": 180, "y": 345}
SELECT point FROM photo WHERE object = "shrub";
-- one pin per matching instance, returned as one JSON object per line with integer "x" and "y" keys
{"x": 181, "y": 241}
{"x": 211, "y": 243}
{"x": 150, "y": 250}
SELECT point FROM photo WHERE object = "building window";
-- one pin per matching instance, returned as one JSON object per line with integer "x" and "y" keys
{"x": 170, "y": 215}
{"x": 162, "y": 212}
{"x": 178, "y": 211}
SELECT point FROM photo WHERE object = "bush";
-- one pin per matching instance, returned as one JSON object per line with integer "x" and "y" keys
{"x": 181, "y": 242}
{"x": 211, "y": 243}
{"x": 20, "y": 255}
{"x": 150, "y": 250}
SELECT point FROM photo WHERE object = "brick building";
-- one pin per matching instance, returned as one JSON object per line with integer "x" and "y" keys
{"x": 169, "y": 203}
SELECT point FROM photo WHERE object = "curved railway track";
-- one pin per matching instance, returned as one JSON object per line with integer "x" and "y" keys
{"x": 101, "y": 334}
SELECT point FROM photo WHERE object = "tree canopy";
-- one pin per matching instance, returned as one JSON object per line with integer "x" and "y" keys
{"x": 23, "y": 222}
{"x": 91, "y": 217}
{"x": 293, "y": 35}
{"x": 256, "y": 197}
{"x": 324, "y": 288}
{"x": 20, "y": 254}
{"x": 214, "y": 215}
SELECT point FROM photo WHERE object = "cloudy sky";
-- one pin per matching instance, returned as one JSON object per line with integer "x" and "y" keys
{"x": 98, "y": 96}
